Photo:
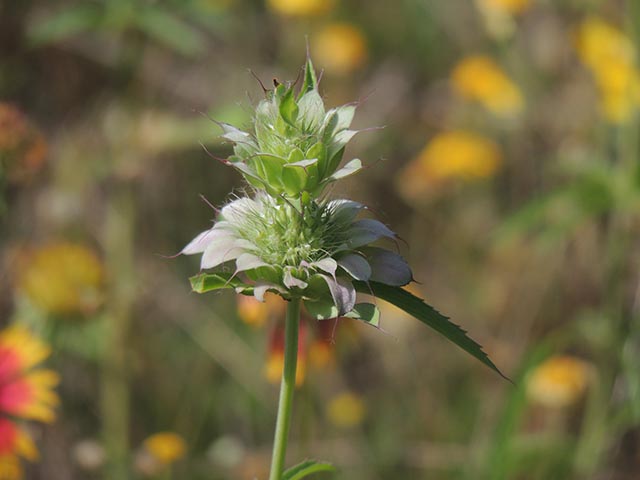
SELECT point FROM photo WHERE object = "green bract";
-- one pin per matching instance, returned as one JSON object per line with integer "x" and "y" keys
{"x": 313, "y": 250}
{"x": 297, "y": 145}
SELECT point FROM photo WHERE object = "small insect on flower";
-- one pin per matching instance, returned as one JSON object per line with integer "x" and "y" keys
{"x": 25, "y": 393}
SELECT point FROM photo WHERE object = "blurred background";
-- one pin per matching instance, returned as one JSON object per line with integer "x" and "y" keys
{"x": 509, "y": 162}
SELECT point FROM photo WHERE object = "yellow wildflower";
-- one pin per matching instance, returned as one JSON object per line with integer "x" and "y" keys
{"x": 340, "y": 48}
{"x": 346, "y": 410}
{"x": 274, "y": 365}
{"x": 62, "y": 278}
{"x": 610, "y": 56}
{"x": 165, "y": 447}
{"x": 559, "y": 381}
{"x": 450, "y": 155}
{"x": 300, "y": 8}
{"x": 256, "y": 313}
{"x": 479, "y": 78}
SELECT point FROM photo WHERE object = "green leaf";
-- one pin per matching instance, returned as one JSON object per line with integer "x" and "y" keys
{"x": 321, "y": 310}
{"x": 207, "y": 282}
{"x": 367, "y": 312}
{"x": 310, "y": 80}
{"x": 306, "y": 468}
{"x": 165, "y": 28}
{"x": 428, "y": 315}
{"x": 65, "y": 24}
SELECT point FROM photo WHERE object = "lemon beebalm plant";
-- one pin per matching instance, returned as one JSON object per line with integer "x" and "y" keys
{"x": 286, "y": 236}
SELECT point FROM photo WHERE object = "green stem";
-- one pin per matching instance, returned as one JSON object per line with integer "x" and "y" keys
{"x": 286, "y": 389}
{"x": 115, "y": 407}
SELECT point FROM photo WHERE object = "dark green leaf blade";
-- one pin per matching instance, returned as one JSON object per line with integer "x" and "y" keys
{"x": 428, "y": 315}
{"x": 306, "y": 468}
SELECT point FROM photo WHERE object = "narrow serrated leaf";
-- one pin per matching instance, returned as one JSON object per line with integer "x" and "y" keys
{"x": 428, "y": 315}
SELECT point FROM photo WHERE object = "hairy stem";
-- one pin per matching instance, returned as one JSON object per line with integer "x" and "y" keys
{"x": 286, "y": 389}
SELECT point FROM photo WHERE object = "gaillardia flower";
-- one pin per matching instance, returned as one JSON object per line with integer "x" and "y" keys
{"x": 313, "y": 250}
{"x": 25, "y": 393}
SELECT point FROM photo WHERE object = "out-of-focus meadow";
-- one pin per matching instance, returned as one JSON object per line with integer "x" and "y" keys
{"x": 509, "y": 162}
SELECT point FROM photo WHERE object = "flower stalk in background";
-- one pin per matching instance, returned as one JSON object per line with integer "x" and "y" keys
{"x": 287, "y": 237}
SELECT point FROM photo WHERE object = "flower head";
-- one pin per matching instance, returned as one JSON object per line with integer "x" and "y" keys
{"x": 296, "y": 145}
{"x": 25, "y": 393}
{"x": 312, "y": 250}
{"x": 610, "y": 56}
{"x": 62, "y": 279}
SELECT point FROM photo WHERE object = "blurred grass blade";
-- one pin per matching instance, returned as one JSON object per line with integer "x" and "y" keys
{"x": 173, "y": 33}
{"x": 306, "y": 468}
{"x": 65, "y": 24}
{"x": 428, "y": 315}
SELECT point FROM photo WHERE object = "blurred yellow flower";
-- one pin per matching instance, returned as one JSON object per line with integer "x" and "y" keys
{"x": 346, "y": 410}
{"x": 165, "y": 447}
{"x": 275, "y": 356}
{"x": 256, "y": 313}
{"x": 610, "y": 56}
{"x": 301, "y": 8}
{"x": 479, "y": 78}
{"x": 61, "y": 278}
{"x": 321, "y": 354}
{"x": 25, "y": 393}
{"x": 559, "y": 381}
{"x": 340, "y": 48}
{"x": 451, "y": 155}
{"x": 508, "y": 6}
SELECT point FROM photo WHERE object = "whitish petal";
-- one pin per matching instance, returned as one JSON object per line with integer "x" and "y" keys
{"x": 222, "y": 250}
{"x": 261, "y": 288}
{"x": 328, "y": 265}
{"x": 290, "y": 281}
{"x": 235, "y": 135}
{"x": 387, "y": 267}
{"x": 249, "y": 261}
{"x": 342, "y": 292}
{"x": 368, "y": 230}
{"x": 236, "y": 211}
{"x": 356, "y": 266}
